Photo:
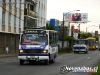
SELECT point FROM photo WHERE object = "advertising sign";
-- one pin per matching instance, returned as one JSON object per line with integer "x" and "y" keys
{"x": 76, "y": 17}
{"x": 76, "y": 30}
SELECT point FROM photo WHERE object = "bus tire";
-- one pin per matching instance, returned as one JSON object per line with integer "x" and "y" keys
{"x": 53, "y": 60}
{"x": 21, "y": 62}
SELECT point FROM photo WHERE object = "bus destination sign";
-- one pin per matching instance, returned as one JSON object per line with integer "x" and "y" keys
{"x": 34, "y": 31}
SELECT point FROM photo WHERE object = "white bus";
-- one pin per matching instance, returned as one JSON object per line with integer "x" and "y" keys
{"x": 38, "y": 45}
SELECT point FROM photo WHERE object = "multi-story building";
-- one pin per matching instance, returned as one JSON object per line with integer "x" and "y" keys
{"x": 16, "y": 15}
{"x": 35, "y": 13}
{"x": 42, "y": 13}
{"x": 11, "y": 24}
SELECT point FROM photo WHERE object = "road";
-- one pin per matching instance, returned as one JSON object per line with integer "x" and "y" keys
{"x": 10, "y": 66}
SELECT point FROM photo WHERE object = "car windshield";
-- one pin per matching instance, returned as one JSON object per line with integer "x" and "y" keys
{"x": 91, "y": 42}
{"x": 34, "y": 39}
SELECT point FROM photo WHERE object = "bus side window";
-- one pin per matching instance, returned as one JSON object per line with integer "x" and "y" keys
{"x": 50, "y": 38}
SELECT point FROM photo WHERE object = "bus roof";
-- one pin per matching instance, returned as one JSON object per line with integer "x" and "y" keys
{"x": 90, "y": 38}
{"x": 80, "y": 39}
{"x": 41, "y": 29}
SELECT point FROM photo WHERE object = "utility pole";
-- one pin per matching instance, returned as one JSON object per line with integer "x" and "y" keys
{"x": 79, "y": 32}
{"x": 63, "y": 32}
{"x": 63, "y": 27}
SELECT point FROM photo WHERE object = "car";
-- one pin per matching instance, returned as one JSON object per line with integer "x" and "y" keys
{"x": 81, "y": 46}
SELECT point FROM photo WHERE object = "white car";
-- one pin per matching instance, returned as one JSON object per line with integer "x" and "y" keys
{"x": 80, "y": 48}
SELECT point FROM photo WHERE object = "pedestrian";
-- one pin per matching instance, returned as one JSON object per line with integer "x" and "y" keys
{"x": 7, "y": 50}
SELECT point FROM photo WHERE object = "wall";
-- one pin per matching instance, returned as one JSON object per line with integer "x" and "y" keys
{"x": 42, "y": 13}
{"x": 10, "y": 40}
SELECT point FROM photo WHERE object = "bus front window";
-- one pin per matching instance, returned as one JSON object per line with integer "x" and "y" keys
{"x": 34, "y": 39}
{"x": 91, "y": 42}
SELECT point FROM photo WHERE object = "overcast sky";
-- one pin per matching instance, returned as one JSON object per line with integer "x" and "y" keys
{"x": 55, "y": 9}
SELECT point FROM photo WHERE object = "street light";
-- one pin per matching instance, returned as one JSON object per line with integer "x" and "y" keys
{"x": 63, "y": 26}
{"x": 88, "y": 27}
{"x": 94, "y": 28}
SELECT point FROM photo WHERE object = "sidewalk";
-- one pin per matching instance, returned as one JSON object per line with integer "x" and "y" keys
{"x": 9, "y": 55}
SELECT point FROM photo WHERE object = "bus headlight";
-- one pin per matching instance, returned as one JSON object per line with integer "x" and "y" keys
{"x": 21, "y": 51}
{"x": 45, "y": 51}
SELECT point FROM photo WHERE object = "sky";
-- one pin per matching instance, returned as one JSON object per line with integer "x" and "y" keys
{"x": 56, "y": 8}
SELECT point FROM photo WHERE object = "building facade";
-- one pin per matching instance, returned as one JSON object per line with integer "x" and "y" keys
{"x": 11, "y": 24}
{"x": 35, "y": 13}
{"x": 58, "y": 27}
{"x": 17, "y": 15}
{"x": 42, "y": 13}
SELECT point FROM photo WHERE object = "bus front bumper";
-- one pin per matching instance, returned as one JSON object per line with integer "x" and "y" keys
{"x": 33, "y": 57}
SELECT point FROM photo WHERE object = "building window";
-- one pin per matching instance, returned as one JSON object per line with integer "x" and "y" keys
{"x": 3, "y": 18}
{"x": 4, "y": 1}
{"x": 39, "y": 4}
{"x": 9, "y": 19}
{"x": 31, "y": 7}
{"x": 15, "y": 3}
{"x": 14, "y": 20}
{"x": 42, "y": 5}
{"x": 20, "y": 5}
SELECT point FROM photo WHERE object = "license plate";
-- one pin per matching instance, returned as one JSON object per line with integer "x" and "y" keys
{"x": 32, "y": 57}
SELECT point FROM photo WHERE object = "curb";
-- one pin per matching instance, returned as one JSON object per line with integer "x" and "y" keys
{"x": 6, "y": 56}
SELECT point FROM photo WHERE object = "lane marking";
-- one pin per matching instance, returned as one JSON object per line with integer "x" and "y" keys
{"x": 88, "y": 58}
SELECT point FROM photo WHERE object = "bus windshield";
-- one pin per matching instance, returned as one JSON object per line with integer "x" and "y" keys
{"x": 34, "y": 39}
{"x": 91, "y": 42}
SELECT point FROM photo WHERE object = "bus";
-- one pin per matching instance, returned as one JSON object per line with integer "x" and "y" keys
{"x": 92, "y": 43}
{"x": 38, "y": 45}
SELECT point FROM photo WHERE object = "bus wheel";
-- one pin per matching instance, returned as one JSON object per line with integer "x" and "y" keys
{"x": 53, "y": 60}
{"x": 21, "y": 62}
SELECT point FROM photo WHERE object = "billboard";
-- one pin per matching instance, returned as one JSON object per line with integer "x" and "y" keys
{"x": 76, "y": 17}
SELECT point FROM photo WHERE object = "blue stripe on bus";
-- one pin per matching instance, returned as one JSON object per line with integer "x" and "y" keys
{"x": 37, "y": 54}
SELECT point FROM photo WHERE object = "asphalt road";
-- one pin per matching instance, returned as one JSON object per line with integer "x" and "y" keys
{"x": 10, "y": 66}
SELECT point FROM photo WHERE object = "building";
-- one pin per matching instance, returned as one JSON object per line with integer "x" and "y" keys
{"x": 58, "y": 27}
{"x": 35, "y": 13}
{"x": 42, "y": 13}
{"x": 16, "y": 15}
{"x": 11, "y": 24}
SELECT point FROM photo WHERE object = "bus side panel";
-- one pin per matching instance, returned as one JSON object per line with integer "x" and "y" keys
{"x": 53, "y": 52}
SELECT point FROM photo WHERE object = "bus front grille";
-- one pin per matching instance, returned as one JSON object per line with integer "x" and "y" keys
{"x": 33, "y": 51}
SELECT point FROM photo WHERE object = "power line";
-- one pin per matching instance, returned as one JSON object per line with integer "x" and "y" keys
{"x": 12, "y": 14}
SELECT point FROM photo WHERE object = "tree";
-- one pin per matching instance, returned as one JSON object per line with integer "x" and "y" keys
{"x": 69, "y": 39}
{"x": 49, "y": 27}
{"x": 96, "y": 38}
{"x": 85, "y": 35}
